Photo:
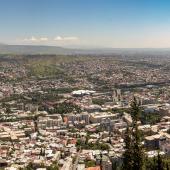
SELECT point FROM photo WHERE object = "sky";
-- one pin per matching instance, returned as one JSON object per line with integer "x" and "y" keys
{"x": 86, "y": 23}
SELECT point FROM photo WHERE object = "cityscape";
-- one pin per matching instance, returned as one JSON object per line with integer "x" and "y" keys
{"x": 86, "y": 99}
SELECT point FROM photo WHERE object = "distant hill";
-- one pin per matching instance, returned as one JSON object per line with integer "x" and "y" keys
{"x": 35, "y": 49}
{"x": 31, "y": 49}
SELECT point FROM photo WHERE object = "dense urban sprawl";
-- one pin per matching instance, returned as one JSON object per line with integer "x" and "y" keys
{"x": 72, "y": 112}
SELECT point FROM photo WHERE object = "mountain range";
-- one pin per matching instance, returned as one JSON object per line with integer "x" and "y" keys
{"x": 40, "y": 49}
{"x": 33, "y": 49}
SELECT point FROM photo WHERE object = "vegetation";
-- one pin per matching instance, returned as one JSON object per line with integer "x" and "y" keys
{"x": 150, "y": 118}
{"x": 65, "y": 107}
{"x": 156, "y": 163}
{"x": 44, "y": 70}
{"x": 38, "y": 98}
{"x": 53, "y": 166}
{"x": 128, "y": 155}
{"x": 49, "y": 66}
{"x": 99, "y": 101}
{"x": 93, "y": 146}
{"x": 121, "y": 110}
{"x": 134, "y": 156}
{"x": 60, "y": 90}
{"x": 90, "y": 163}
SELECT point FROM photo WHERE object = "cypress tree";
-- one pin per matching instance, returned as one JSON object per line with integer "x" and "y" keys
{"x": 135, "y": 111}
{"x": 160, "y": 162}
{"x": 151, "y": 163}
{"x": 128, "y": 154}
{"x": 133, "y": 158}
{"x": 154, "y": 166}
{"x": 138, "y": 156}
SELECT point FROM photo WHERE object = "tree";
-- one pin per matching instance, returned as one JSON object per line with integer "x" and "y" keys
{"x": 138, "y": 156}
{"x": 54, "y": 166}
{"x": 135, "y": 111}
{"x": 151, "y": 163}
{"x": 12, "y": 142}
{"x": 35, "y": 119}
{"x": 29, "y": 166}
{"x": 133, "y": 158}
{"x": 87, "y": 139}
{"x": 8, "y": 110}
{"x": 127, "y": 156}
{"x": 90, "y": 163}
{"x": 160, "y": 162}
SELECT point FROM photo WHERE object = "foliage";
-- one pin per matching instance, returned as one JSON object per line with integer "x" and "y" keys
{"x": 29, "y": 167}
{"x": 128, "y": 154}
{"x": 90, "y": 163}
{"x": 45, "y": 70}
{"x": 150, "y": 118}
{"x": 133, "y": 157}
{"x": 54, "y": 166}
{"x": 160, "y": 162}
{"x": 121, "y": 110}
{"x": 93, "y": 146}
{"x": 65, "y": 107}
{"x": 72, "y": 130}
{"x": 98, "y": 101}
{"x": 157, "y": 163}
{"x": 60, "y": 90}
{"x": 38, "y": 98}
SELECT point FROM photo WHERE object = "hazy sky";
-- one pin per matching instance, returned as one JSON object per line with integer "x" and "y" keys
{"x": 86, "y": 23}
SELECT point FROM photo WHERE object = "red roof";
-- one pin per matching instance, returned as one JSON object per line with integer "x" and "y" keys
{"x": 94, "y": 168}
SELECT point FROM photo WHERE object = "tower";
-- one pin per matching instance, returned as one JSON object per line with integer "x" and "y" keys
{"x": 117, "y": 97}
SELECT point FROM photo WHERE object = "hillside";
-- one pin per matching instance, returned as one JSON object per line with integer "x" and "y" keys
{"x": 31, "y": 49}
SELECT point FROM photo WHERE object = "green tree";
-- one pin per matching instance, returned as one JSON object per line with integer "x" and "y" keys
{"x": 160, "y": 162}
{"x": 138, "y": 156}
{"x": 29, "y": 166}
{"x": 35, "y": 120}
{"x": 90, "y": 163}
{"x": 133, "y": 158}
{"x": 128, "y": 154}
{"x": 54, "y": 166}
{"x": 8, "y": 110}
{"x": 151, "y": 163}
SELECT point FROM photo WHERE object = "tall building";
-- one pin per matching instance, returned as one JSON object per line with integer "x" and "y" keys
{"x": 97, "y": 117}
{"x": 78, "y": 118}
{"x": 50, "y": 121}
{"x": 107, "y": 124}
{"x": 117, "y": 97}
